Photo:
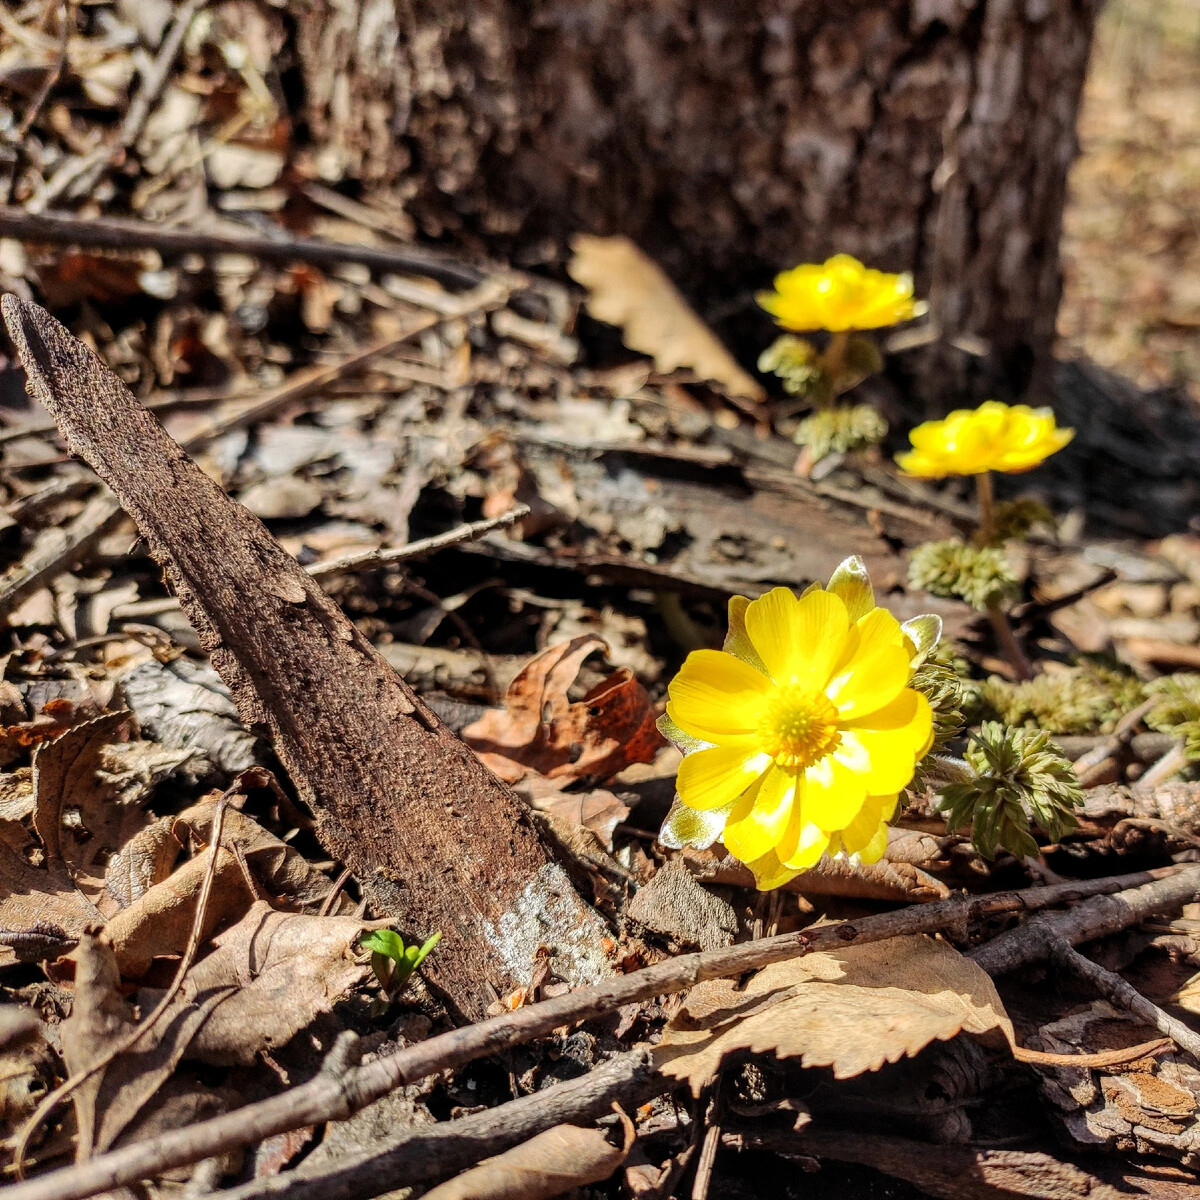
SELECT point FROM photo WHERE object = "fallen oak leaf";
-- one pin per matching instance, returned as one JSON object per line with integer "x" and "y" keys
{"x": 33, "y": 899}
{"x": 627, "y": 289}
{"x": 555, "y": 1161}
{"x": 274, "y": 973}
{"x": 159, "y": 922}
{"x": 118, "y": 1094}
{"x": 851, "y": 1010}
{"x": 540, "y": 730}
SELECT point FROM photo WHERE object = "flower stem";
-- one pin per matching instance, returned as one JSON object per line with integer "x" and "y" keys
{"x": 834, "y": 360}
{"x": 987, "y": 508}
{"x": 1011, "y": 648}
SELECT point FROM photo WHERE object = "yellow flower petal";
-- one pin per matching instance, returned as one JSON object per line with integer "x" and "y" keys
{"x": 737, "y": 640}
{"x": 993, "y": 437}
{"x": 715, "y": 695}
{"x": 869, "y": 681}
{"x": 806, "y": 849}
{"x": 832, "y": 795}
{"x": 890, "y": 740}
{"x": 839, "y": 295}
{"x": 799, "y": 640}
{"x": 769, "y": 872}
{"x": 752, "y": 832}
{"x": 713, "y": 778}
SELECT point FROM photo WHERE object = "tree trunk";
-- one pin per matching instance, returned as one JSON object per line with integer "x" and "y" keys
{"x": 730, "y": 140}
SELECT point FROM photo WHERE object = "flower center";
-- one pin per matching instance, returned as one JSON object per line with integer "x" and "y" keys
{"x": 798, "y": 727}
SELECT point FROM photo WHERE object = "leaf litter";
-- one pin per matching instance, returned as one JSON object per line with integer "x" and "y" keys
{"x": 652, "y": 498}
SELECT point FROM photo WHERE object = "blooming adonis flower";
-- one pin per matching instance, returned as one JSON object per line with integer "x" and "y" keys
{"x": 799, "y": 735}
{"x": 992, "y": 437}
{"x": 839, "y": 295}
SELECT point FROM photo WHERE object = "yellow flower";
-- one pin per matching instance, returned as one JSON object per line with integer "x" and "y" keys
{"x": 992, "y": 437}
{"x": 838, "y": 295}
{"x": 799, "y": 736}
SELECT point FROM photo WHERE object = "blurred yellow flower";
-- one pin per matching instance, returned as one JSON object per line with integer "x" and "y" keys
{"x": 799, "y": 736}
{"x": 839, "y": 295}
{"x": 992, "y": 437}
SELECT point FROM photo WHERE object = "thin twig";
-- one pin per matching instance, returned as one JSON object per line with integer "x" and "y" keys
{"x": 467, "y": 532}
{"x": 1167, "y": 767}
{"x": 104, "y": 509}
{"x": 1089, "y": 766}
{"x": 1009, "y": 646}
{"x": 331, "y": 1096}
{"x": 1124, "y": 995}
{"x": 115, "y": 233}
{"x": 1099, "y": 917}
{"x": 52, "y": 76}
{"x": 432, "y": 1153}
{"x": 60, "y": 1093}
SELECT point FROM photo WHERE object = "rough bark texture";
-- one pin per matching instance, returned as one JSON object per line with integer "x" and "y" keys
{"x": 434, "y": 838}
{"x": 729, "y": 140}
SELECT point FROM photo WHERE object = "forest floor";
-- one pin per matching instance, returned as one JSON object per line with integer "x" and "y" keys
{"x": 535, "y": 537}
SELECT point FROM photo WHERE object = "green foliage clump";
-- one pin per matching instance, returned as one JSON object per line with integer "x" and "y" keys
{"x": 1021, "y": 781}
{"x": 941, "y": 685}
{"x": 841, "y": 429}
{"x": 796, "y": 362}
{"x": 1177, "y": 710}
{"x": 1087, "y": 698}
{"x": 980, "y": 575}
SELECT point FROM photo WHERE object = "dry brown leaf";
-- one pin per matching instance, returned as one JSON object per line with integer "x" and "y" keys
{"x": 283, "y": 871}
{"x": 275, "y": 972}
{"x": 69, "y": 781}
{"x": 159, "y": 923}
{"x": 553, "y": 1162}
{"x": 852, "y": 1010}
{"x": 596, "y": 810}
{"x": 626, "y": 289}
{"x": 540, "y": 730}
{"x": 118, "y": 1095}
{"x": 33, "y": 899}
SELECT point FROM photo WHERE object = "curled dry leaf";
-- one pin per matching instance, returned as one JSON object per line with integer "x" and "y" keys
{"x": 540, "y": 730}
{"x": 556, "y": 1161}
{"x": 159, "y": 923}
{"x": 852, "y": 1010}
{"x": 596, "y": 810}
{"x": 67, "y": 781}
{"x": 274, "y": 973}
{"x": 134, "y": 1085}
{"x": 625, "y": 288}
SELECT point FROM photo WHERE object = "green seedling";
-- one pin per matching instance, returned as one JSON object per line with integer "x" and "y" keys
{"x": 392, "y": 961}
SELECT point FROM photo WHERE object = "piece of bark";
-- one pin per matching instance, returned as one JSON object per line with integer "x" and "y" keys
{"x": 436, "y": 841}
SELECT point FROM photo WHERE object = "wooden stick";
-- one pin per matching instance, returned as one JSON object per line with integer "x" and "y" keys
{"x": 1105, "y": 914}
{"x": 1124, "y": 995}
{"x": 431, "y": 1154}
{"x": 116, "y": 233}
{"x": 436, "y": 840}
{"x": 341, "y": 1090}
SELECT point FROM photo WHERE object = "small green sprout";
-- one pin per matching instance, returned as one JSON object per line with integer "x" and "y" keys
{"x": 392, "y": 961}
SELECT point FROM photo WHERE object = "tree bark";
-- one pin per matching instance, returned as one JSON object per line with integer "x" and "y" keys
{"x": 730, "y": 140}
{"x": 434, "y": 838}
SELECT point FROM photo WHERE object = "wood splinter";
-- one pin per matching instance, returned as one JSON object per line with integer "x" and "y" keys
{"x": 434, "y": 838}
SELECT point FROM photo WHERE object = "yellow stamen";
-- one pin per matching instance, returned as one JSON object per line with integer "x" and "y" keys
{"x": 799, "y": 728}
